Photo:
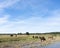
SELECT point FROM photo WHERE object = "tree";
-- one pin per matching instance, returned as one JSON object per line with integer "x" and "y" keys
{"x": 27, "y": 33}
{"x": 19, "y": 33}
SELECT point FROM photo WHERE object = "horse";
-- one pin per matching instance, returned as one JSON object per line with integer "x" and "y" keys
{"x": 32, "y": 36}
{"x": 51, "y": 37}
{"x": 11, "y": 35}
{"x": 42, "y": 38}
{"x": 35, "y": 37}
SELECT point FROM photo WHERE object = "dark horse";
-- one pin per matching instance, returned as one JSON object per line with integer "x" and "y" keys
{"x": 35, "y": 37}
{"x": 42, "y": 38}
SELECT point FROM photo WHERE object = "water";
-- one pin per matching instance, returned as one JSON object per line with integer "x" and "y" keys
{"x": 55, "y": 45}
{"x": 38, "y": 45}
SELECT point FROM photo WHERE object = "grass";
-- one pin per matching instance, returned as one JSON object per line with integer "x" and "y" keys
{"x": 7, "y": 40}
{"x": 25, "y": 38}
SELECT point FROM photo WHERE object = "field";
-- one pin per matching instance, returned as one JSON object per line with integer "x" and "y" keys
{"x": 7, "y": 41}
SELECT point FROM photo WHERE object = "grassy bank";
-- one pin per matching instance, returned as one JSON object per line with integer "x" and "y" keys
{"x": 7, "y": 40}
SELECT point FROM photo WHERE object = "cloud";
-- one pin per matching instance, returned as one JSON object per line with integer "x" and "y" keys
{"x": 7, "y": 3}
{"x": 38, "y": 22}
{"x": 33, "y": 24}
{"x": 33, "y": 4}
{"x": 4, "y": 19}
{"x": 41, "y": 24}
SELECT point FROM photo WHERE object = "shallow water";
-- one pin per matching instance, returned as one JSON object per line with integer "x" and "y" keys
{"x": 55, "y": 45}
{"x": 37, "y": 45}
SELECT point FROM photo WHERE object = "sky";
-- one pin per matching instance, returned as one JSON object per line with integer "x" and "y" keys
{"x": 34, "y": 16}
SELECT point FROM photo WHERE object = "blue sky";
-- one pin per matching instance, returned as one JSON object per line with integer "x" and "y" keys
{"x": 37, "y": 16}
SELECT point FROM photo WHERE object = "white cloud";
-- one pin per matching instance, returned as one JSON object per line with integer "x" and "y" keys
{"x": 33, "y": 24}
{"x": 33, "y": 4}
{"x": 4, "y": 19}
{"x": 8, "y": 3}
{"x": 40, "y": 24}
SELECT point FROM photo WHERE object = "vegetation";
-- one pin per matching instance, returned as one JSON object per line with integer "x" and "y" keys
{"x": 21, "y": 39}
{"x": 27, "y": 33}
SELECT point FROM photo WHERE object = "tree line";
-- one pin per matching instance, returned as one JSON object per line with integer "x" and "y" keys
{"x": 27, "y": 33}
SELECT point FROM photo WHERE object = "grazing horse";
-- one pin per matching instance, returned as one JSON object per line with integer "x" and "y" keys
{"x": 32, "y": 36}
{"x": 42, "y": 38}
{"x": 35, "y": 37}
{"x": 15, "y": 35}
{"x": 51, "y": 37}
{"x": 11, "y": 35}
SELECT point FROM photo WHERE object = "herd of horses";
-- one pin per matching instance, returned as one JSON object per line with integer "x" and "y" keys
{"x": 42, "y": 38}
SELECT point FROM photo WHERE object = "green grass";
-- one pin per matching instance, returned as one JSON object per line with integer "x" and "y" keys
{"x": 20, "y": 38}
{"x": 24, "y": 39}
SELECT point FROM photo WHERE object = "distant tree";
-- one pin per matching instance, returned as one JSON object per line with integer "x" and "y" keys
{"x": 27, "y": 33}
{"x": 19, "y": 33}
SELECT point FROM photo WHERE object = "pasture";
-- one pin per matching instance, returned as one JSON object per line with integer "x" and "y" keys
{"x": 7, "y": 41}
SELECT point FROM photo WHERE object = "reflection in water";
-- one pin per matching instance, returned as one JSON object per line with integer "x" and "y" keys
{"x": 37, "y": 45}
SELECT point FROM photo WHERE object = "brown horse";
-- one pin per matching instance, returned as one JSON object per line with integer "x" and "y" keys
{"x": 35, "y": 37}
{"x": 32, "y": 36}
{"x": 51, "y": 37}
{"x": 42, "y": 38}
